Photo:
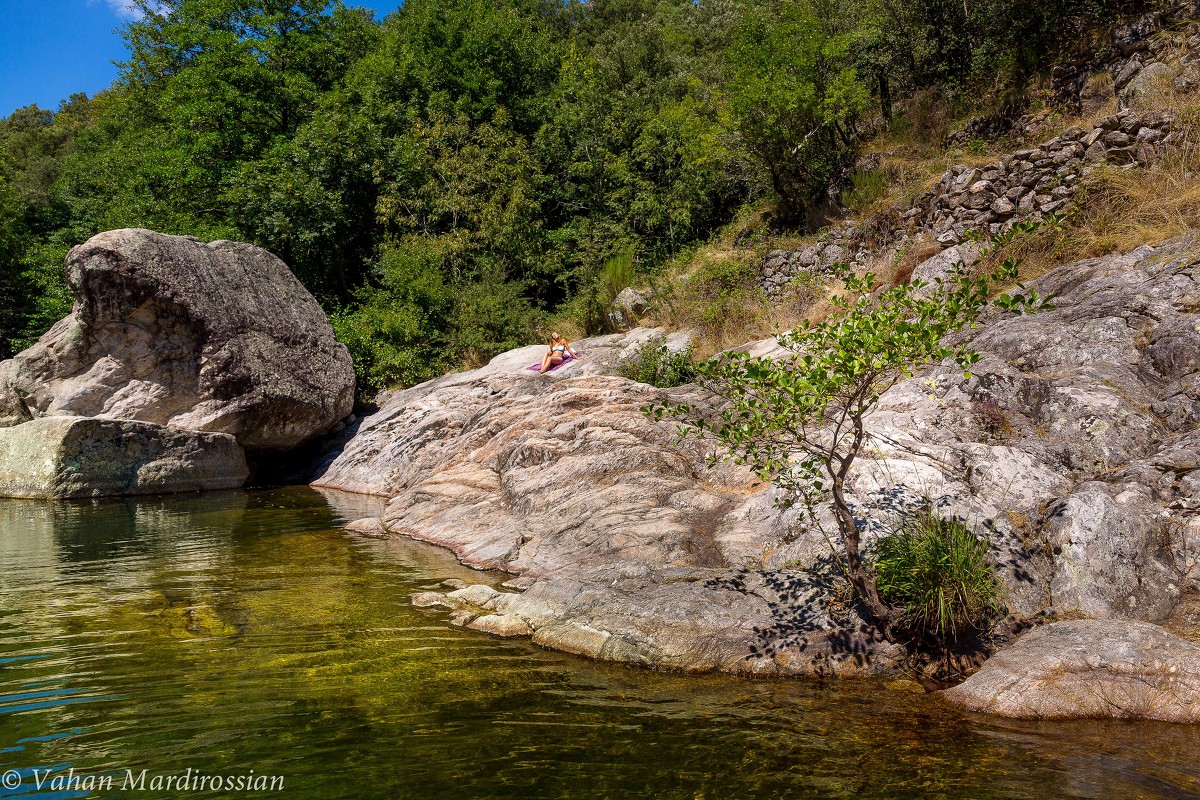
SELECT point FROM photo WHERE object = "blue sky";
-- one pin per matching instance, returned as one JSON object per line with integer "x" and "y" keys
{"x": 50, "y": 49}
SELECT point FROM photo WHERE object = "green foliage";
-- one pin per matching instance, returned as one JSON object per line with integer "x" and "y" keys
{"x": 976, "y": 146}
{"x": 594, "y": 302}
{"x": 798, "y": 420}
{"x": 412, "y": 323}
{"x": 938, "y": 572}
{"x": 523, "y": 141}
{"x": 796, "y": 96}
{"x": 491, "y": 316}
{"x": 722, "y": 297}
{"x": 12, "y": 245}
{"x": 397, "y": 333}
{"x": 44, "y": 287}
{"x": 656, "y": 364}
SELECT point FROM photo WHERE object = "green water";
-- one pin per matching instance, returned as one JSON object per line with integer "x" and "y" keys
{"x": 231, "y": 633}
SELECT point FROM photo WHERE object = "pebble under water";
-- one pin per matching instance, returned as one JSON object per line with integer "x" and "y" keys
{"x": 244, "y": 634}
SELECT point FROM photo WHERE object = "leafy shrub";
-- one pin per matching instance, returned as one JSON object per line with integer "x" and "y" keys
{"x": 937, "y": 570}
{"x": 976, "y": 145}
{"x": 722, "y": 298}
{"x": 656, "y": 364}
{"x": 413, "y": 323}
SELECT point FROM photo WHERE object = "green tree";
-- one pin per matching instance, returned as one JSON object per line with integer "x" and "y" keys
{"x": 397, "y": 333}
{"x": 796, "y": 97}
{"x": 798, "y": 420}
{"x": 13, "y": 240}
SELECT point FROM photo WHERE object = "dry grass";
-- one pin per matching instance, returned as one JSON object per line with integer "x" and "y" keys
{"x": 910, "y": 259}
{"x": 1119, "y": 210}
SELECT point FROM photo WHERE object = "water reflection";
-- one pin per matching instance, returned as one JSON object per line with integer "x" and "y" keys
{"x": 246, "y": 631}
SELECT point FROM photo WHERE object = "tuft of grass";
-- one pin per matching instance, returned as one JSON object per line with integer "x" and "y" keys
{"x": 938, "y": 571}
{"x": 616, "y": 275}
{"x": 867, "y": 187}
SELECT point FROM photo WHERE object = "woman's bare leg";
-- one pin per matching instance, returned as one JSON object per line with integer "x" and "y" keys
{"x": 546, "y": 362}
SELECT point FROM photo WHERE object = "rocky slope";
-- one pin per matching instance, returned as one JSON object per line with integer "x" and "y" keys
{"x": 1073, "y": 446}
{"x": 1023, "y": 186}
{"x": 1075, "y": 441}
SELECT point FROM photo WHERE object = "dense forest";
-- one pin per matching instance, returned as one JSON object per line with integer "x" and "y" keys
{"x": 449, "y": 180}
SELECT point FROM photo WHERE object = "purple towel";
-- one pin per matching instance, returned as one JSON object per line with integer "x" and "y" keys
{"x": 538, "y": 366}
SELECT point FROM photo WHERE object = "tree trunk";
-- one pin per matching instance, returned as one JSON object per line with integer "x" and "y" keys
{"x": 861, "y": 578}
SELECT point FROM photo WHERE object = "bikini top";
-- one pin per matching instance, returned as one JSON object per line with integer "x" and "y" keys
{"x": 558, "y": 348}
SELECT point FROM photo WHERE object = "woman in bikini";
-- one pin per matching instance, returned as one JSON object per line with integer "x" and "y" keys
{"x": 560, "y": 348}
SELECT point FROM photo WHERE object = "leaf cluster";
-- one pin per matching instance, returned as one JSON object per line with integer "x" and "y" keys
{"x": 797, "y": 418}
{"x": 654, "y": 363}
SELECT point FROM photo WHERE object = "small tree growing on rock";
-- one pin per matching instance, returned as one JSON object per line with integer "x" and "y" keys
{"x": 798, "y": 420}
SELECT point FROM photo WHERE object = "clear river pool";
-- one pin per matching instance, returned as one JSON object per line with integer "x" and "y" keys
{"x": 242, "y": 635}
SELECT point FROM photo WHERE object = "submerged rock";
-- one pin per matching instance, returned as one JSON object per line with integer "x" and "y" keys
{"x": 1089, "y": 668}
{"x": 165, "y": 329}
{"x": 67, "y": 457}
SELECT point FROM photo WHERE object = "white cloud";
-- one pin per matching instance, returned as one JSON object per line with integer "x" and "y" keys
{"x": 124, "y": 9}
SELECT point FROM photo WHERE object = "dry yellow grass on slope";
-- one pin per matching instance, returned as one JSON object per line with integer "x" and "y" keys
{"x": 1119, "y": 209}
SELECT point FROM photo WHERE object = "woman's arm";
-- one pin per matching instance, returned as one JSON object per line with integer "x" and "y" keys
{"x": 571, "y": 351}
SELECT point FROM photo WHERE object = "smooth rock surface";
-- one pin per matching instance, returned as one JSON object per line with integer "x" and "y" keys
{"x": 1089, "y": 669}
{"x": 68, "y": 457}
{"x": 214, "y": 337}
{"x": 629, "y": 547}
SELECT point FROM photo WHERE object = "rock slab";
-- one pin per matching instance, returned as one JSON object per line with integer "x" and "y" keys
{"x": 72, "y": 457}
{"x": 627, "y": 546}
{"x": 170, "y": 330}
{"x": 1089, "y": 669}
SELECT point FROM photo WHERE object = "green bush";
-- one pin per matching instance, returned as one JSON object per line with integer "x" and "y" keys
{"x": 654, "y": 363}
{"x": 722, "y": 298}
{"x": 937, "y": 570}
{"x": 976, "y": 145}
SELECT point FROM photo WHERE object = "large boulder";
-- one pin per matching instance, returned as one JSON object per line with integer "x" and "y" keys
{"x": 168, "y": 329}
{"x": 1089, "y": 668}
{"x": 68, "y": 457}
